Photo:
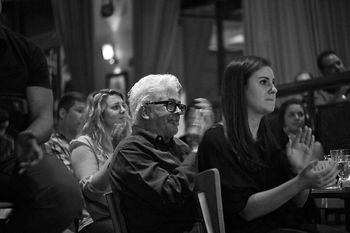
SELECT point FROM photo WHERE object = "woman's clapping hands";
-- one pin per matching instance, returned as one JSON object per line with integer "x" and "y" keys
{"x": 319, "y": 174}
{"x": 299, "y": 149}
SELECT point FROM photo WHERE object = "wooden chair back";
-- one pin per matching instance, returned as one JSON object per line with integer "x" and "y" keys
{"x": 208, "y": 189}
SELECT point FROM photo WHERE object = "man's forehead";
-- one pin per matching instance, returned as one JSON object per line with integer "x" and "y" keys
{"x": 168, "y": 94}
{"x": 79, "y": 104}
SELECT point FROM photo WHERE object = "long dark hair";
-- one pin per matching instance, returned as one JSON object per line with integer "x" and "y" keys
{"x": 234, "y": 107}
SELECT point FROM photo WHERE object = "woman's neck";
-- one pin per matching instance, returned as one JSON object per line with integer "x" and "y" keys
{"x": 108, "y": 139}
{"x": 254, "y": 123}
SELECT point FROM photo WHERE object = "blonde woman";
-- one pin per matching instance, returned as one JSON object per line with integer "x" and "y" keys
{"x": 107, "y": 115}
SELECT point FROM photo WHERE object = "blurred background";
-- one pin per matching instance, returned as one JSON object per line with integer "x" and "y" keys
{"x": 92, "y": 44}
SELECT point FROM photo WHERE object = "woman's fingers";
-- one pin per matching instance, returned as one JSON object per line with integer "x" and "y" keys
{"x": 304, "y": 134}
{"x": 324, "y": 173}
{"x": 312, "y": 141}
{"x": 330, "y": 184}
{"x": 329, "y": 174}
{"x": 308, "y": 137}
{"x": 298, "y": 136}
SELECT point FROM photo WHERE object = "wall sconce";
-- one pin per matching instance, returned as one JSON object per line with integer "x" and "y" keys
{"x": 108, "y": 53}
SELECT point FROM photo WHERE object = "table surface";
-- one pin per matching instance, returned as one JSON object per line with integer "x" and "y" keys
{"x": 331, "y": 193}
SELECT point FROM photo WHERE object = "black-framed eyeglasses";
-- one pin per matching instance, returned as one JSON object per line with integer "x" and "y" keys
{"x": 171, "y": 105}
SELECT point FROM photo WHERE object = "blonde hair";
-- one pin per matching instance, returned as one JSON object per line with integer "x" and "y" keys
{"x": 148, "y": 88}
{"x": 94, "y": 125}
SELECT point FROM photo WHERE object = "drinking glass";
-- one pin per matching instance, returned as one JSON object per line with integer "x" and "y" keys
{"x": 342, "y": 157}
{"x": 335, "y": 156}
{"x": 344, "y": 165}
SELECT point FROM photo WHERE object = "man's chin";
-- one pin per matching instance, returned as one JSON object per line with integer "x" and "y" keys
{"x": 174, "y": 131}
{"x": 173, "y": 125}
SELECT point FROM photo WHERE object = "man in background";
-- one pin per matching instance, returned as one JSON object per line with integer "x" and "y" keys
{"x": 46, "y": 196}
{"x": 70, "y": 111}
{"x": 329, "y": 63}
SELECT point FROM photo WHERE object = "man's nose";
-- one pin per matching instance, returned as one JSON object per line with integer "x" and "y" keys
{"x": 178, "y": 110}
{"x": 122, "y": 109}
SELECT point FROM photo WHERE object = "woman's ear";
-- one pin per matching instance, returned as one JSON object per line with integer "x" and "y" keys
{"x": 145, "y": 113}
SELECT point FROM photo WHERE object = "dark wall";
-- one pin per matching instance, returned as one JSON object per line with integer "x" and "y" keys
{"x": 28, "y": 17}
{"x": 333, "y": 126}
{"x": 207, "y": 84}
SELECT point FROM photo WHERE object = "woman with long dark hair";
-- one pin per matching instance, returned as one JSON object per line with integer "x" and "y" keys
{"x": 292, "y": 116}
{"x": 262, "y": 184}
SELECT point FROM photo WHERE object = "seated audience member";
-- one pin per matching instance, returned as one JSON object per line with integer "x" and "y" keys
{"x": 70, "y": 111}
{"x": 46, "y": 196}
{"x": 261, "y": 183}
{"x": 198, "y": 118}
{"x": 91, "y": 155}
{"x": 153, "y": 171}
{"x": 329, "y": 63}
{"x": 293, "y": 117}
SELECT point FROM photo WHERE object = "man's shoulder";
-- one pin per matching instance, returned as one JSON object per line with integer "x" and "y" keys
{"x": 134, "y": 140}
{"x": 58, "y": 147}
{"x": 17, "y": 38}
{"x": 56, "y": 141}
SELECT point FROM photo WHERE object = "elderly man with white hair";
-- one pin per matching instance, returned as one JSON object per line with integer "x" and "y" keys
{"x": 152, "y": 171}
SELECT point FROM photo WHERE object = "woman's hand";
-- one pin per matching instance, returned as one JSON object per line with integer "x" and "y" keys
{"x": 200, "y": 117}
{"x": 121, "y": 131}
{"x": 206, "y": 112}
{"x": 299, "y": 149}
{"x": 318, "y": 174}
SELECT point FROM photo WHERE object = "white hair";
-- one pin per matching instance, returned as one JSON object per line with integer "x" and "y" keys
{"x": 148, "y": 88}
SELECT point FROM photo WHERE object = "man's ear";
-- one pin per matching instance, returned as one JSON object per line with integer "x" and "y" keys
{"x": 145, "y": 113}
{"x": 61, "y": 113}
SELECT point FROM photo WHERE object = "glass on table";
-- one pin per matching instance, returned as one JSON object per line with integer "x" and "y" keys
{"x": 333, "y": 156}
{"x": 344, "y": 165}
{"x": 342, "y": 157}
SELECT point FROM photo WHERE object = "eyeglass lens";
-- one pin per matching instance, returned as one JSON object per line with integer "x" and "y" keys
{"x": 171, "y": 106}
